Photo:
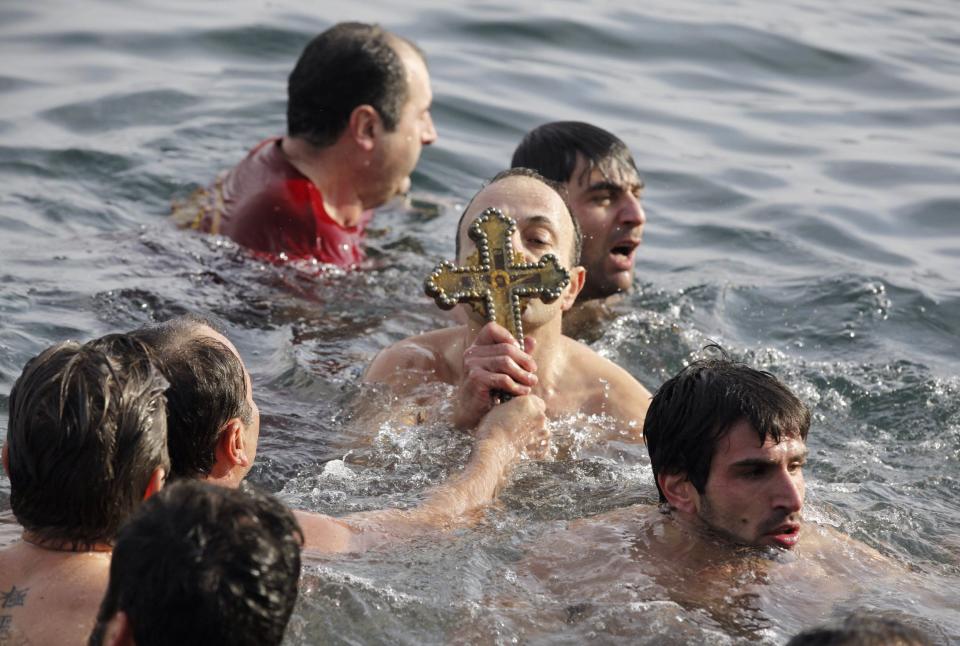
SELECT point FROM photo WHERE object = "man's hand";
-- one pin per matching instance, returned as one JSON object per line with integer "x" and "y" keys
{"x": 494, "y": 363}
{"x": 519, "y": 424}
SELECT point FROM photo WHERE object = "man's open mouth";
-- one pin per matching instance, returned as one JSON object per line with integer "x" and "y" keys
{"x": 623, "y": 252}
{"x": 785, "y": 535}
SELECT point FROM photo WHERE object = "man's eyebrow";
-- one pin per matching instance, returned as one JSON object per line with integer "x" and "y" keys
{"x": 540, "y": 220}
{"x": 765, "y": 462}
{"x": 604, "y": 185}
{"x": 614, "y": 187}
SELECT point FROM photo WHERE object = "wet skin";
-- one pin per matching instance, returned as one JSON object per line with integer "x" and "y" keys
{"x": 606, "y": 202}
{"x": 754, "y": 494}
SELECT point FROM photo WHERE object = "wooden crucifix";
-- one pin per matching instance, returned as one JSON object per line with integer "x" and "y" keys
{"x": 496, "y": 282}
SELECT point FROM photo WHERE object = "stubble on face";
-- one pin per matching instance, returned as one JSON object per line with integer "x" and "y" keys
{"x": 755, "y": 493}
{"x": 401, "y": 148}
{"x": 605, "y": 199}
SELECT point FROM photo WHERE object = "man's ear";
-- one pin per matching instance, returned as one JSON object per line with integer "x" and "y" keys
{"x": 119, "y": 632}
{"x": 157, "y": 478}
{"x": 6, "y": 458}
{"x": 364, "y": 126}
{"x": 231, "y": 447}
{"x": 578, "y": 276}
{"x": 679, "y": 492}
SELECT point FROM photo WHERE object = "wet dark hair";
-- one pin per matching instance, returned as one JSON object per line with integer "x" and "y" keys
{"x": 693, "y": 410}
{"x": 552, "y": 150}
{"x": 863, "y": 630}
{"x": 207, "y": 389}
{"x": 201, "y": 564}
{"x": 348, "y": 65}
{"x": 87, "y": 429}
{"x": 558, "y": 188}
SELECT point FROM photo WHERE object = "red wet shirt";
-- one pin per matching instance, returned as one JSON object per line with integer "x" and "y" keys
{"x": 266, "y": 204}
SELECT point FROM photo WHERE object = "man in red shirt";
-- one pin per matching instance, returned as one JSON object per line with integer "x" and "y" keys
{"x": 358, "y": 115}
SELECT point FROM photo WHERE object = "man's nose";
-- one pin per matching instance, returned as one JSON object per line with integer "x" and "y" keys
{"x": 429, "y": 134}
{"x": 789, "y": 491}
{"x": 631, "y": 211}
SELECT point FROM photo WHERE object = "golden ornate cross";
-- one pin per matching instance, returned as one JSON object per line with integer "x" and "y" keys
{"x": 496, "y": 282}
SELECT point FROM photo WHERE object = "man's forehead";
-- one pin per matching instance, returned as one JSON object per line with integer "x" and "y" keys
{"x": 414, "y": 66}
{"x": 518, "y": 198}
{"x": 743, "y": 441}
{"x": 609, "y": 170}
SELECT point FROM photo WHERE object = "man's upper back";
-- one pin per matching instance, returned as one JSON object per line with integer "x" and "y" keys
{"x": 267, "y": 205}
{"x": 49, "y": 597}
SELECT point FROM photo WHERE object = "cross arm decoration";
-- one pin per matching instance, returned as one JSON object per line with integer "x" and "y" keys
{"x": 496, "y": 282}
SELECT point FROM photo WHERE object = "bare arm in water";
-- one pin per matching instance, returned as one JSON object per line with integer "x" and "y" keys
{"x": 501, "y": 437}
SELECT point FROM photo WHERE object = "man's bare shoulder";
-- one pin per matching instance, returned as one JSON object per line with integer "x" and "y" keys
{"x": 51, "y": 597}
{"x": 422, "y": 357}
{"x": 596, "y": 366}
{"x": 613, "y": 390}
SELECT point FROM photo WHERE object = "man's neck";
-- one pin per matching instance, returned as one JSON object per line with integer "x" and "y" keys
{"x": 63, "y": 545}
{"x": 228, "y": 477}
{"x": 330, "y": 171}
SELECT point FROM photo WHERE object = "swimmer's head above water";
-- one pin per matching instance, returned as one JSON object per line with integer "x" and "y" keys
{"x": 603, "y": 188}
{"x": 363, "y": 93}
{"x": 213, "y": 421}
{"x": 202, "y": 565}
{"x": 727, "y": 445}
{"x": 86, "y": 440}
{"x": 544, "y": 225}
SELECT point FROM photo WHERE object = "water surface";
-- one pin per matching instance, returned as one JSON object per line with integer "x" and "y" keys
{"x": 803, "y": 196}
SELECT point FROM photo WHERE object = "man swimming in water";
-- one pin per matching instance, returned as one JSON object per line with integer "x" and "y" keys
{"x": 481, "y": 359}
{"x": 727, "y": 445}
{"x": 604, "y": 192}
{"x": 214, "y": 427}
{"x": 200, "y": 564}
{"x": 358, "y": 115}
{"x": 86, "y": 443}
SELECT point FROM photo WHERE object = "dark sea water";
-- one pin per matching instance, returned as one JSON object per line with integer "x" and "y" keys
{"x": 802, "y": 163}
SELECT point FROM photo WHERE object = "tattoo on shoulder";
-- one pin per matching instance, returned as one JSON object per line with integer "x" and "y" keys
{"x": 16, "y": 597}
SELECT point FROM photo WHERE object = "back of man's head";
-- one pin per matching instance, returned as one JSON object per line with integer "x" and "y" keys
{"x": 201, "y": 564}
{"x": 553, "y": 149}
{"x": 87, "y": 430}
{"x": 348, "y": 65}
{"x": 692, "y": 411}
{"x": 863, "y": 630}
{"x": 207, "y": 388}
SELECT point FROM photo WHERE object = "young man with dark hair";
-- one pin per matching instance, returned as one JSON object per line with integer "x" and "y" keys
{"x": 603, "y": 189}
{"x": 212, "y": 441}
{"x": 859, "y": 629}
{"x": 201, "y": 564}
{"x": 86, "y": 443}
{"x": 727, "y": 447}
{"x": 358, "y": 115}
{"x": 482, "y": 359}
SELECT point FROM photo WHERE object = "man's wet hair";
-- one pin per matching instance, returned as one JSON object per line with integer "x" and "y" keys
{"x": 207, "y": 389}
{"x": 557, "y": 188}
{"x": 87, "y": 429}
{"x": 695, "y": 409}
{"x": 201, "y": 564}
{"x": 861, "y": 629}
{"x": 553, "y": 148}
{"x": 348, "y": 65}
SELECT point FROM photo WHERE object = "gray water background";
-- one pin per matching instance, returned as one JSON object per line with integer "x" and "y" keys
{"x": 803, "y": 194}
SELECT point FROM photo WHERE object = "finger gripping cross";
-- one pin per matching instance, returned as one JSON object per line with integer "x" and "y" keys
{"x": 496, "y": 282}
